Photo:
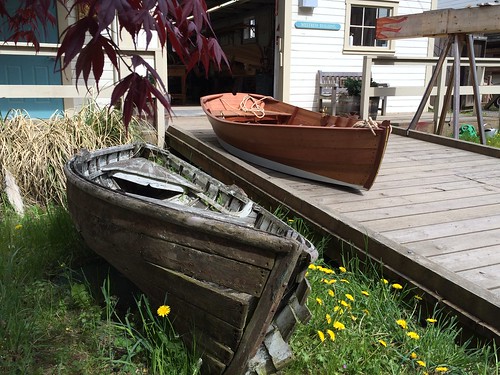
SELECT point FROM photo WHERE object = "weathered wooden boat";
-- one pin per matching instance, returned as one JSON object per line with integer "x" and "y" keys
{"x": 232, "y": 272}
{"x": 267, "y": 132}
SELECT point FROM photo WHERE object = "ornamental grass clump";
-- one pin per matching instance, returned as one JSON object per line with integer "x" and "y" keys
{"x": 362, "y": 324}
{"x": 35, "y": 151}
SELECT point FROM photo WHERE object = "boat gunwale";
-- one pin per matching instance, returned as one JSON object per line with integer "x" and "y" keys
{"x": 277, "y": 243}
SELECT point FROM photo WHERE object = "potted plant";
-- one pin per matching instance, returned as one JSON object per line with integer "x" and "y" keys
{"x": 350, "y": 103}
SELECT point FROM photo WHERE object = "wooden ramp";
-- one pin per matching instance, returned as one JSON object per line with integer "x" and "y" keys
{"x": 432, "y": 217}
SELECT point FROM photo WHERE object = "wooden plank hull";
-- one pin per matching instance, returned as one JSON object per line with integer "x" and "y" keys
{"x": 227, "y": 267}
{"x": 297, "y": 141}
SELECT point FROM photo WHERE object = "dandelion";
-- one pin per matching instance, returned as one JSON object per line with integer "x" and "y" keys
{"x": 402, "y": 323}
{"x": 442, "y": 369}
{"x": 338, "y": 325}
{"x": 413, "y": 335}
{"x": 349, "y": 297}
{"x": 365, "y": 293}
{"x": 353, "y": 318}
{"x": 345, "y": 304}
{"x": 163, "y": 310}
{"x": 18, "y": 226}
{"x": 338, "y": 310}
{"x": 328, "y": 318}
{"x": 431, "y": 320}
{"x": 331, "y": 293}
{"x": 383, "y": 343}
{"x": 312, "y": 267}
{"x": 328, "y": 271}
{"x": 319, "y": 301}
{"x": 397, "y": 286}
{"x": 321, "y": 336}
{"x": 413, "y": 355}
{"x": 342, "y": 269}
{"x": 421, "y": 363}
{"x": 385, "y": 281}
{"x": 345, "y": 281}
{"x": 331, "y": 334}
{"x": 366, "y": 312}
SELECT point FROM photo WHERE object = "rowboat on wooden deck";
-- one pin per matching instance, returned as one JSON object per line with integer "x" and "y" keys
{"x": 270, "y": 133}
{"x": 232, "y": 272}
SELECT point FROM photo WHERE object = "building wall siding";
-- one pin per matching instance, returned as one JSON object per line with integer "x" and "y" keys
{"x": 313, "y": 50}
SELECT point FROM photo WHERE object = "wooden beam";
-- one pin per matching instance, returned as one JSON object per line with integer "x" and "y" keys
{"x": 438, "y": 23}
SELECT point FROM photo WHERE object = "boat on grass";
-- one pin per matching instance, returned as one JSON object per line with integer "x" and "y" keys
{"x": 276, "y": 135}
{"x": 232, "y": 272}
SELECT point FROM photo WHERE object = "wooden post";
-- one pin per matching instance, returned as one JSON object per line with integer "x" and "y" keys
{"x": 431, "y": 83}
{"x": 475, "y": 87}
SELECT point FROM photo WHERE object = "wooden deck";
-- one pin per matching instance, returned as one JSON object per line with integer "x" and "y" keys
{"x": 432, "y": 216}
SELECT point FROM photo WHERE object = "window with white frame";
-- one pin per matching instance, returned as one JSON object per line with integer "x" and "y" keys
{"x": 361, "y": 19}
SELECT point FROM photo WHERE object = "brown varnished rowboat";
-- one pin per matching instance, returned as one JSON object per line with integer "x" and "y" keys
{"x": 296, "y": 141}
{"x": 232, "y": 272}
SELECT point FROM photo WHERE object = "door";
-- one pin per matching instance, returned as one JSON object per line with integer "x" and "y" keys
{"x": 30, "y": 70}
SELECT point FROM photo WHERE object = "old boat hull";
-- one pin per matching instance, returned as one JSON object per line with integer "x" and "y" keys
{"x": 296, "y": 141}
{"x": 233, "y": 274}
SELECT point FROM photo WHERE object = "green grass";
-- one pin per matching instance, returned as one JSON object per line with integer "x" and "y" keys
{"x": 51, "y": 321}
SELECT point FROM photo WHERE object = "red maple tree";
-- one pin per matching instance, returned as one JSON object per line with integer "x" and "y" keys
{"x": 184, "y": 24}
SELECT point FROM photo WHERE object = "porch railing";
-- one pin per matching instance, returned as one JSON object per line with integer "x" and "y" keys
{"x": 438, "y": 91}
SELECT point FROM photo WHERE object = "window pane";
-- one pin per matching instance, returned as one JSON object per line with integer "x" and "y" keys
{"x": 384, "y": 12}
{"x": 369, "y": 37}
{"x": 357, "y": 16}
{"x": 370, "y": 16}
{"x": 356, "y": 33}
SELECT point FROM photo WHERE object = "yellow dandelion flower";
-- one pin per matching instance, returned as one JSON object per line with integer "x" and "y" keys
{"x": 342, "y": 269}
{"x": 397, "y": 286}
{"x": 385, "y": 281}
{"x": 319, "y": 301}
{"x": 421, "y": 363}
{"x": 402, "y": 323}
{"x": 413, "y": 355}
{"x": 442, "y": 369}
{"x": 431, "y": 320}
{"x": 18, "y": 226}
{"x": 338, "y": 310}
{"x": 312, "y": 267}
{"x": 321, "y": 336}
{"x": 163, "y": 310}
{"x": 365, "y": 293}
{"x": 366, "y": 312}
{"x": 328, "y": 318}
{"x": 331, "y": 334}
{"x": 332, "y": 281}
{"x": 328, "y": 271}
{"x": 331, "y": 293}
{"x": 338, "y": 325}
{"x": 349, "y": 297}
{"x": 345, "y": 281}
{"x": 345, "y": 304}
{"x": 413, "y": 335}
{"x": 353, "y": 318}
{"x": 383, "y": 343}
